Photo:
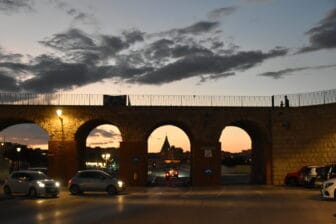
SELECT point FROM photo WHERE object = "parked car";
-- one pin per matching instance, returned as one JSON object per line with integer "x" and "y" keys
{"x": 32, "y": 183}
{"x": 325, "y": 173}
{"x": 306, "y": 175}
{"x": 95, "y": 180}
{"x": 328, "y": 189}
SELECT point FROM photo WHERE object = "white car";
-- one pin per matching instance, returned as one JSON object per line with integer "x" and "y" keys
{"x": 94, "y": 180}
{"x": 329, "y": 188}
{"x": 31, "y": 183}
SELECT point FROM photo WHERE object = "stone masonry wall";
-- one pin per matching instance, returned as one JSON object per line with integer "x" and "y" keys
{"x": 302, "y": 136}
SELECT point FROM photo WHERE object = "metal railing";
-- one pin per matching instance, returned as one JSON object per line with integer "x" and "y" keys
{"x": 295, "y": 100}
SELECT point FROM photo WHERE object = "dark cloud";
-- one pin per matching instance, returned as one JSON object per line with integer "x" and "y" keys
{"x": 9, "y": 57}
{"x": 7, "y": 83}
{"x": 80, "y": 47}
{"x": 195, "y": 66}
{"x": 77, "y": 15}
{"x": 289, "y": 71}
{"x": 74, "y": 39}
{"x": 133, "y": 57}
{"x": 323, "y": 35}
{"x": 104, "y": 133}
{"x": 52, "y": 74}
{"x": 9, "y": 6}
{"x": 199, "y": 27}
{"x": 218, "y": 13}
{"x": 133, "y": 36}
{"x": 205, "y": 78}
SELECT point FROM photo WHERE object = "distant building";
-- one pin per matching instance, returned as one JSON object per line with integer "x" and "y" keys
{"x": 170, "y": 154}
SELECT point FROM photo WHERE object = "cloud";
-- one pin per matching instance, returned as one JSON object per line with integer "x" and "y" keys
{"x": 7, "y": 83}
{"x": 10, "y": 6}
{"x": 195, "y": 66}
{"x": 289, "y": 71}
{"x": 205, "y": 78}
{"x": 323, "y": 35}
{"x": 132, "y": 56}
{"x": 106, "y": 133}
{"x": 199, "y": 27}
{"x": 218, "y": 13}
{"x": 52, "y": 74}
{"x": 77, "y": 15}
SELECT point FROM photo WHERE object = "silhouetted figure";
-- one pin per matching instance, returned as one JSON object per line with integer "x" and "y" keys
{"x": 286, "y": 101}
{"x": 281, "y": 103}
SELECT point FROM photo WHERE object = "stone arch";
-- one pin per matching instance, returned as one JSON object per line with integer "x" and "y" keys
{"x": 81, "y": 135}
{"x": 261, "y": 150}
{"x": 182, "y": 164}
{"x": 22, "y": 159}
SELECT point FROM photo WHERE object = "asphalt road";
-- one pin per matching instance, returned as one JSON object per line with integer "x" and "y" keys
{"x": 226, "y": 204}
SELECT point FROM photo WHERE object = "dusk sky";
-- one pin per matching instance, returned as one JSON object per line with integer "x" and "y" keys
{"x": 176, "y": 47}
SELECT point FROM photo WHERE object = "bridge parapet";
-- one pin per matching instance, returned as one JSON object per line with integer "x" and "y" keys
{"x": 294, "y": 100}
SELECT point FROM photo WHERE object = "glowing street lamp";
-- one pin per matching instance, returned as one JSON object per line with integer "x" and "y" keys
{"x": 18, "y": 149}
{"x": 106, "y": 157}
{"x": 59, "y": 113}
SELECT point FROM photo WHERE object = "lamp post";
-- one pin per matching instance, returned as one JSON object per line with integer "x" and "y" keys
{"x": 18, "y": 150}
{"x": 106, "y": 157}
{"x": 59, "y": 113}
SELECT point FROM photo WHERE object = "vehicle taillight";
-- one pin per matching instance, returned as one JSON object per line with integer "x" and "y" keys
{"x": 69, "y": 182}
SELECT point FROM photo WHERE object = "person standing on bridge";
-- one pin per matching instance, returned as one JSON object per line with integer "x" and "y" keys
{"x": 286, "y": 101}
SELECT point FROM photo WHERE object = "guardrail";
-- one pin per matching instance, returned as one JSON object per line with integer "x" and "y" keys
{"x": 294, "y": 100}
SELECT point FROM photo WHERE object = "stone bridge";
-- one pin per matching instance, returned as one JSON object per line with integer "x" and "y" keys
{"x": 283, "y": 138}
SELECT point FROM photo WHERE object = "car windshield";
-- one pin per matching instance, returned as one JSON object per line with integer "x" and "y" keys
{"x": 39, "y": 176}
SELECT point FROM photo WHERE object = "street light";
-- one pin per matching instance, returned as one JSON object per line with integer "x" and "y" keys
{"x": 59, "y": 113}
{"x": 106, "y": 157}
{"x": 18, "y": 149}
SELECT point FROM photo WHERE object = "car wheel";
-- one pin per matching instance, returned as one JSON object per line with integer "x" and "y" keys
{"x": 32, "y": 192}
{"x": 74, "y": 189}
{"x": 312, "y": 183}
{"x": 7, "y": 190}
{"x": 111, "y": 190}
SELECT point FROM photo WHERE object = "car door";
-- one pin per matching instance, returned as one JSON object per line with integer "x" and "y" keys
{"x": 98, "y": 181}
{"x": 84, "y": 181}
{"x": 19, "y": 183}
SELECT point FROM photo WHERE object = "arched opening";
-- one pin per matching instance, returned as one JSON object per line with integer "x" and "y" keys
{"x": 23, "y": 146}
{"x": 259, "y": 154}
{"x": 236, "y": 156}
{"x": 98, "y": 146}
{"x": 168, "y": 157}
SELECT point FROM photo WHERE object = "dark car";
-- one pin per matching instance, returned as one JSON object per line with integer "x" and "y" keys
{"x": 94, "y": 180}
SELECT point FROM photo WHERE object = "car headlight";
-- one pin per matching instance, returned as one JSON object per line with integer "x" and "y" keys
{"x": 40, "y": 184}
{"x": 57, "y": 184}
{"x": 328, "y": 185}
{"x": 120, "y": 183}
